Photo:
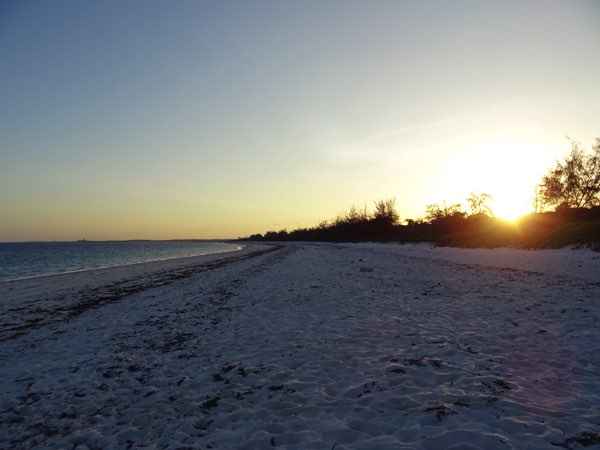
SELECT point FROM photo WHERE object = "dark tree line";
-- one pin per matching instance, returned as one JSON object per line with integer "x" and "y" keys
{"x": 566, "y": 211}
{"x": 357, "y": 224}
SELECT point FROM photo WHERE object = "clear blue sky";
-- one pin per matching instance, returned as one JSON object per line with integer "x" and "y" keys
{"x": 142, "y": 119}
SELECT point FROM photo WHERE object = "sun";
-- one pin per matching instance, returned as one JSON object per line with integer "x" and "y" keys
{"x": 507, "y": 169}
{"x": 510, "y": 208}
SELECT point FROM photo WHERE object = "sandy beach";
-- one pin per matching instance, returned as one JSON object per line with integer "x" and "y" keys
{"x": 308, "y": 346}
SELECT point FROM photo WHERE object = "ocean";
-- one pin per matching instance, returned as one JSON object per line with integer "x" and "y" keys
{"x": 34, "y": 259}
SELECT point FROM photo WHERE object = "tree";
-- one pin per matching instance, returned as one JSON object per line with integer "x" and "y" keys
{"x": 574, "y": 182}
{"x": 353, "y": 216}
{"x": 479, "y": 204}
{"x": 385, "y": 212}
{"x": 435, "y": 212}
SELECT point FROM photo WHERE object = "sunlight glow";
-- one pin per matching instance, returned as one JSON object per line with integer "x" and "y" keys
{"x": 510, "y": 208}
{"x": 508, "y": 168}
{"x": 230, "y": 123}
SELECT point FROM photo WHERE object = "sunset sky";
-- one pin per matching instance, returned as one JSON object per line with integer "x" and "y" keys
{"x": 192, "y": 119}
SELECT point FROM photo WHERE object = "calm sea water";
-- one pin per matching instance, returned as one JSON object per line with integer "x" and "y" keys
{"x": 32, "y": 259}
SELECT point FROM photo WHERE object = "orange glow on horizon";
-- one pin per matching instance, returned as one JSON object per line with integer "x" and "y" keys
{"x": 510, "y": 209}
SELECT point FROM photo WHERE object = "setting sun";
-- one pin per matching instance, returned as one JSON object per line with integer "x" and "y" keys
{"x": 211, "y": 129}
{"x": 510, "y": 208}
{"x": 506, "y": 166}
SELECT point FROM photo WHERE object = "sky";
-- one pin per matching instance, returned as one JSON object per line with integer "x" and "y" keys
{"x": 198, "y": 119}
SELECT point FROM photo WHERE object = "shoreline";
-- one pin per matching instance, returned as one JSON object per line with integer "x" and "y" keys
{"x": 66, "y": 272}
{"x": 117, "y": 265}
{"x": 51, "y": 298}
{"x": 150, "y": 266}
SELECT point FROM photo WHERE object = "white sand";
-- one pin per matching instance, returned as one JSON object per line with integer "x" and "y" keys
{"x": 364, "y": 346}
